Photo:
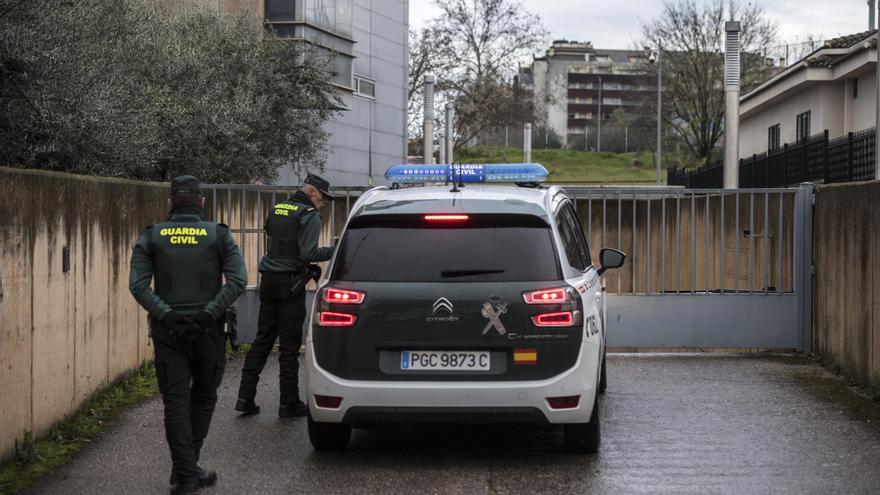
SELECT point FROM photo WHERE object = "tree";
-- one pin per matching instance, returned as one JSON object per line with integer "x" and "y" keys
{"x": 692, "y": 37}
{"x": 474, "y": 46}
{"x": 128, "y": 89}
{"x": 423, "y": 60}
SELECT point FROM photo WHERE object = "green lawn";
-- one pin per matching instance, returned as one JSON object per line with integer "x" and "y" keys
{"x": 573, "y": 167}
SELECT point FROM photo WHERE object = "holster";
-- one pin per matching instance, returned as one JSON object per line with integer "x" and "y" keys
{"x": 232, "y": 327}
{"x": 299, "y": 281}
{"x": 301, "y": 278}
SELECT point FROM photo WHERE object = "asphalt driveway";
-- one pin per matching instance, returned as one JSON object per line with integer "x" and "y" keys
{"x": 671, "y": 424}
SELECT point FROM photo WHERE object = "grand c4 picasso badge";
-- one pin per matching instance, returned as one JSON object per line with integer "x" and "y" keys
{"x": 493, "y": 309}
{"x": 442, "y": 310}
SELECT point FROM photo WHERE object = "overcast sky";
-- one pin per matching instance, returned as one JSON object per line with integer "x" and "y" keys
{"x": 620, "y": 26}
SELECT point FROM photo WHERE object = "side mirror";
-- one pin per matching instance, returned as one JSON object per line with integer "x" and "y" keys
{"x": 610, "y": 258}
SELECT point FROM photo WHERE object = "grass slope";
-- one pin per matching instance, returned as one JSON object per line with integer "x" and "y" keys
{"x": 574, "y": 167}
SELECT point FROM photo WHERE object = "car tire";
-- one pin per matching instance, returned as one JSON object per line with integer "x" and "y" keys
{"x": 584, "y": 438}
{"x": 603, "y": 378}
{"x": 331, "y": 437}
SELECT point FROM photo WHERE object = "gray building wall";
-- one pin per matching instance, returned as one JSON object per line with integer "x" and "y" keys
{"x": 371, "y": 134}
{"x": 549, "y": 80}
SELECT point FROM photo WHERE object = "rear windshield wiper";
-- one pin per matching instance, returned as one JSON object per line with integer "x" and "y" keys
{"x": 467, "y": 273}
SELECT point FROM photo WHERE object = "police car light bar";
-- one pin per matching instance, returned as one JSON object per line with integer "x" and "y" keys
{"x": 467, "y": 173}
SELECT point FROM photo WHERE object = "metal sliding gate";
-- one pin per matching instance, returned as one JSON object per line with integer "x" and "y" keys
{"x": 706, "y": 268}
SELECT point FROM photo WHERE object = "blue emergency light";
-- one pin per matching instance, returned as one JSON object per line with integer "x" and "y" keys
{"x": 467, "y": 173}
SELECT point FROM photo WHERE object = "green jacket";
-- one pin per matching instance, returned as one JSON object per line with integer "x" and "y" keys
{"x": 304, "y": 224}
{"x": 227, "y": 253}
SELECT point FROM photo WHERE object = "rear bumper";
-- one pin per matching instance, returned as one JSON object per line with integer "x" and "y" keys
{"x": 455, "y": 401}
{"x": 370, "y": 415}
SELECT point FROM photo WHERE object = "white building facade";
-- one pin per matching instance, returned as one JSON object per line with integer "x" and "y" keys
{"x": 833, "y": 88}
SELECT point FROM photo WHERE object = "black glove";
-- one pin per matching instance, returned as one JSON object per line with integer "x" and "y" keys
{"x": 178, "y": 325}
{"x": 203, "y": 321}
{"x": 315, "y": 272}
{"x": 200, "y": 323}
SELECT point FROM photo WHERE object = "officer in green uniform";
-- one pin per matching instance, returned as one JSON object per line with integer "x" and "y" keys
{"x": 293, "y": 227}
{"x": 187, "y": 258}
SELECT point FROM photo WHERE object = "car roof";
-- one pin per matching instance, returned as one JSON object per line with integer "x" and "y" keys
{"x": 469, "y": 199}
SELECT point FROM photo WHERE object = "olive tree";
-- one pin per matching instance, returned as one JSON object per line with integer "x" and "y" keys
{"x": 130, "y": 89}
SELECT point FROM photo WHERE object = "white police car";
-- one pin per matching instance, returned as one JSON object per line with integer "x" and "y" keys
{"x": 474, "y": 304}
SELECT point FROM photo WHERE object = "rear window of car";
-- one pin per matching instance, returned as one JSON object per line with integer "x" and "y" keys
{"x": 482, "y": 248}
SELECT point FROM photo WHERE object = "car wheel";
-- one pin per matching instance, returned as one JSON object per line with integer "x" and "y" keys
{"x": 603, "y": 379}
{"x": 328, "y": 436}
{"x": 584, "y": 438}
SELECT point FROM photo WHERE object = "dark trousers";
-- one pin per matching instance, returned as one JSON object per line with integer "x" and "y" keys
{"x": 281, "y": 316}
{"x": 188, "y": 374}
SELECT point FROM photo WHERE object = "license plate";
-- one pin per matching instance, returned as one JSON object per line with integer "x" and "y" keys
{"x": 445, "y": 360}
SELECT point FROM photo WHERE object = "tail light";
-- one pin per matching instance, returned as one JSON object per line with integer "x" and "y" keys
{"x": 330, "y": 319}
{"x": 563, "y": 319}
{"x": 342, "y": 296}
{"x": 546, "y": 296}
{"x": 569, "y": 402}
{"x": 446, "y": 217}
{"x": 328, "y": 402}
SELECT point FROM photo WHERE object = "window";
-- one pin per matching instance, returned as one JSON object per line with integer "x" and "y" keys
{"x": 364, "y": 87}
{"x": 803, "y": 126}
{"x": 279, "y": 10}
{"x": 855, "y": 88}
{"x": 334, "y": 15}
{"x": 576, "y": 227}
{"x": 569, "y": 241}
{"x": 492, "y": 247}
{"x": 773, "y": 138}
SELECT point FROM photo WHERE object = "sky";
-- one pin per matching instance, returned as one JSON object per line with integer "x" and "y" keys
{"x": 620, "y": 27}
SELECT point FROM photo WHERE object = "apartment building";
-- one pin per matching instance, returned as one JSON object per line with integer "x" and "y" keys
{"x": 567, "y": 82}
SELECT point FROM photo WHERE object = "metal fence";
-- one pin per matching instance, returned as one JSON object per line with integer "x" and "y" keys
{"x": 817, "y": 159}
{"x": 693, "y": 241}
{"x": 244, "y": 209}
{"x": 706, "y": 268}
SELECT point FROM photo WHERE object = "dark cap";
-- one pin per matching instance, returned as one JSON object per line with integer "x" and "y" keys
{"x": 185, "y": 184}
{"x": 320, "y": 184}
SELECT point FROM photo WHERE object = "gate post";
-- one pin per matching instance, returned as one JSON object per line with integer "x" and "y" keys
{"x": 803, "y": 265}
{"x": 849, "y": 157}
{"x": 804, "y": 156}
{"x": 825, "y": 177}
{"x": 785, "y": 165}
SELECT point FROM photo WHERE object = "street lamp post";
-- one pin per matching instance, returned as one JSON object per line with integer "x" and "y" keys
{"x": 659, "y": 109}
{"x": 877, "y": 121}
{"x": 599, "y": 133}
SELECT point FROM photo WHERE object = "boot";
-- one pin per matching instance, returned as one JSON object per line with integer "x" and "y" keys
{"x": 248, "y": 407}
{"x": 206, "y": 477}
{"x": 293, "y": 410}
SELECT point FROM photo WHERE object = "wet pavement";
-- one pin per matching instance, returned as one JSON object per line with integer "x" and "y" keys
{"x": 670, "y": 424}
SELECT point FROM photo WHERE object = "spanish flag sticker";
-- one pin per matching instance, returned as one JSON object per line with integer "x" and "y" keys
{"x": 525, "y": 356}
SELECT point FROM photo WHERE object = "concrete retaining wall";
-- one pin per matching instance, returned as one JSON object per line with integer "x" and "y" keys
{"x": 846, "y": 293}
{"x": 63, "y": 334}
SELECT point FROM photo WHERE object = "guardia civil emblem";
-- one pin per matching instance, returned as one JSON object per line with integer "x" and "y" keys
{"x": 492, "y": 310}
